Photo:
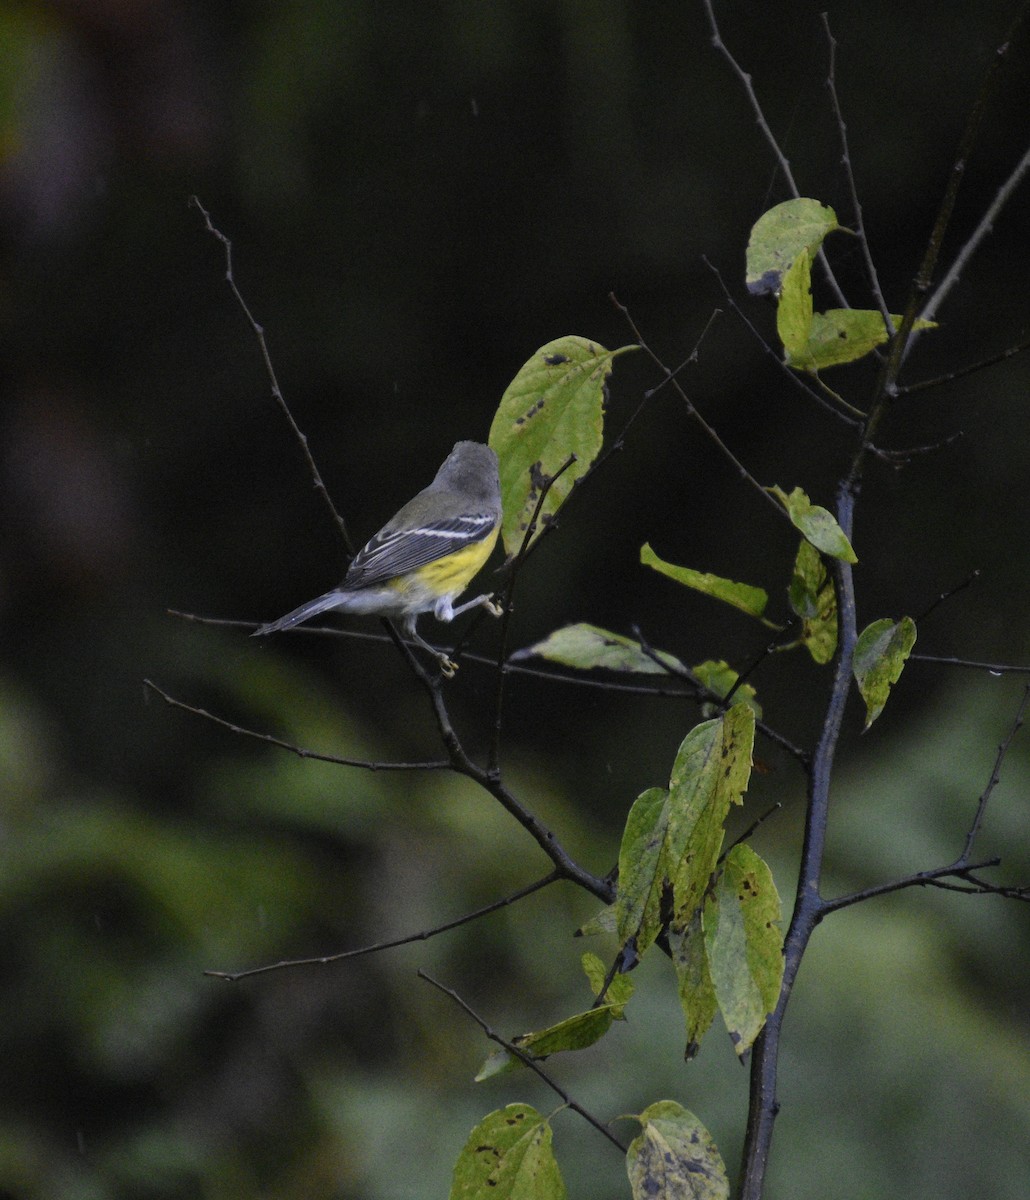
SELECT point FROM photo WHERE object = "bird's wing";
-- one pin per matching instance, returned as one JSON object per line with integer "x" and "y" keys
{"x": 394, "y": 552}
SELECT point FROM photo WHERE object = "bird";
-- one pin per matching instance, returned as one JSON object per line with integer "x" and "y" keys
{"x": 425, "y": 556}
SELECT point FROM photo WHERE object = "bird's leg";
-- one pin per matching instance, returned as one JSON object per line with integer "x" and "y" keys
{"x": 486, "y": 602}
{"x": 447, "y": 667}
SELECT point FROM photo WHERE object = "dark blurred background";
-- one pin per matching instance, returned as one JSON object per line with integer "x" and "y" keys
{"x": 418, "y": 196}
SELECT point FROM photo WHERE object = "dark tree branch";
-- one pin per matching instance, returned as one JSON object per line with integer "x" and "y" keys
{"x": 277, "y": 394}
{"x": 962, "y": 868}
{"x": 300, "y": 751}
{"x": 924, "y": 384}
{"x": 763, "y": 1105}
{"x": 490, "y": 781}
{"x": 770, "y": 137}
{"x": 741, "y": 470}
{"x": 970, "y": 664}
{"x": 986, "y": 222}
{"x": 423, "y": 936}
{"x": 527, "y": 1060}
{"x": 796, "y": 378}
{"x": 856, "y": 206}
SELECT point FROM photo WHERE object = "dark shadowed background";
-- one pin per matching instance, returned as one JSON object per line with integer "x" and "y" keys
{"x": 420, "y": 195}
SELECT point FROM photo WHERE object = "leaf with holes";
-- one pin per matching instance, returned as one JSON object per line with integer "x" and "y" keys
{"x": 508, "y": 1156}
{"x": 674, "y": 1157}
{"x": 552, "y": 410}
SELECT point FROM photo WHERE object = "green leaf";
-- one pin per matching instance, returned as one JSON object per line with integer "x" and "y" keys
{"x": 814, "y": 599}
{"x": 694, "y": 980}
{"x": 674, "y": 1157}
{"x": 586, "y": 647}
{"x": 840, "y": 335}
{"x": 718, "y": 677}
{"x": 751, "y": 600}
{"x": 711, "y": 772}
{"x": 881, "y": 652}
{"x": 670, "y": 846}
{"x": 574, "y": 1033}
{"x": 794, "y": 310}
{"x": 508, "y": 1156}
{"x": 553, "y": 408}
{"x": 816, "y": 524}
{"x": 779, "y": 236}
{"x": 641, "y": 862}
{"x": 619, "y": 990}
{"x": 744, "y": 944}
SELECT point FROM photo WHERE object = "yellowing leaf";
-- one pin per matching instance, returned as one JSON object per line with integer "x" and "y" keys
{"x": 814, "y": 599}
{"x": 881, "y": 652}
{"x": 586, "y": 647}
{"x": 751, "y": 600}
{"x": 642, "y": 870}
{"x": 744, "y": 944}
{"x": 694, "y": 979}
{"x": 619, "y": 989}
{"x": 711, "y": 772}
{"x": 817, "y": 524}
{"x": 841, "y": 335}
{"x": 794, "y": 310}
{"x": 779, "y": 236}
{"x": 674, "y": 1157}
{"x": 508, "y": 1156}
{"x": 552, "y": 409}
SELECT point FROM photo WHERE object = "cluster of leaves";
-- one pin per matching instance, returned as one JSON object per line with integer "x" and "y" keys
{"x": 715, "y": 913}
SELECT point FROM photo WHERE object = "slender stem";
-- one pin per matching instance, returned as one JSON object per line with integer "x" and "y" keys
{"x": 266, "y": 358}
{"x": 856, "y": 205}
{"x": 423, "y": 936}
{"x": 770, "y": 137}
{"x": 797, "y": 379}
{"x": 506, "y": 605}
{"x": 300, "y": 751}
{"x": 742, "y": 471}
{"x": 526, "y": 1059}
{"x": 984, "y": 227}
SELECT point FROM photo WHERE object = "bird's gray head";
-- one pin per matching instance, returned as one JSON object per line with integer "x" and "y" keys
{"x": 471, "y": 468}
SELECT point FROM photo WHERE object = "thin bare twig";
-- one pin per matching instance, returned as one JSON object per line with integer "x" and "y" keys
{"x": 702, "y": 693}
{"x": 856, "y": 205}
{"x": 971, "y": 664}
{"x": 423, "y": 936}
{"x": 507, "y": 604}
{"x": 924, "y": 384}
{"x": 984, "y": 227}
{"x": 981, "y": 808}
{"x": 273, "y": 380}
{"x": 795, "y": 377}
{"x": 971, "y": 578}
{"x": 770, "y": 137}
{"x": 299, "y": 751}
{"x": 526, "y": 1059}
{"x": 906, "y": 334}
{"x": 741, "y": 470}
{"x": 961, "y": 868}
{"x": 490, "y": 781}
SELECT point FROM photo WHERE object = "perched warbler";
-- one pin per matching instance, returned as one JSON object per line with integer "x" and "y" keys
{"x": 425, "y": 556}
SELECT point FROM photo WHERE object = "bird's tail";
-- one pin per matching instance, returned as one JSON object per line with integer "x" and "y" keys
{"x": 311, "y": 609}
